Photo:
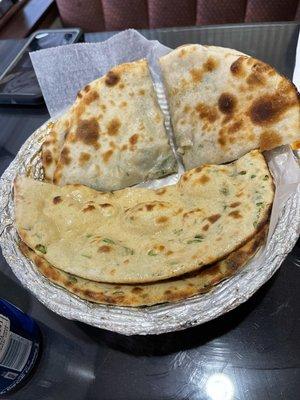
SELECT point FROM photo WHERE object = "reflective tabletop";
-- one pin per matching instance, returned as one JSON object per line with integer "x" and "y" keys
{"x": 253, "y": 352}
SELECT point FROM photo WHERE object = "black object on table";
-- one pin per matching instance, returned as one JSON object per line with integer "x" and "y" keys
{"x": 251, "y": 353}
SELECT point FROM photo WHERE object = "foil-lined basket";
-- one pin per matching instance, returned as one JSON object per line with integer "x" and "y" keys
{"x": 146, "y": 320}
{"x": 60, "y": 81}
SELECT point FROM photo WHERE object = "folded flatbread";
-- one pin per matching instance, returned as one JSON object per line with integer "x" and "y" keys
{"x": 150, "y": 293}
{"x": 144, "y": 235}
{"x": 113, "y": 136}
{"x": 224, "y": 104}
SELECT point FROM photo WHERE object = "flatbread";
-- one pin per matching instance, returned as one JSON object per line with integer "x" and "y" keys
{"x": 224, "y": 104}
{"x": 113, "y": 136}
{"x": 153, "y": 293}
{"x": 52, "y": 146}
{"x": 144, "y": 235}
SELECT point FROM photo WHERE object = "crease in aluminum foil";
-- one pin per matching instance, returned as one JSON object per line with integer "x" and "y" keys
{"x": 284, "y": 232}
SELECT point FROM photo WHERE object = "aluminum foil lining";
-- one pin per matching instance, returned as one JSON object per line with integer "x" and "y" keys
{"x": 284, "y": 232}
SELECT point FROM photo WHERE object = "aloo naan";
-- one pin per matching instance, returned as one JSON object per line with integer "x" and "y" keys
{"x": 113, "y": 136}
{"x": 224, "y": 103}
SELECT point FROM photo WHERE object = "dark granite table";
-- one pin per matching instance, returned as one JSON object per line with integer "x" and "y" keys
{"x": 251, "y": 353}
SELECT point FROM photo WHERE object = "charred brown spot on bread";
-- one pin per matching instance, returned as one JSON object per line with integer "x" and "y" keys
{"x": 57, "y": 200}
{"x": 185, "y": 178}
{"x": 182, "y": 53}
{"x": 235, "y": 214}
{"x": 65, "y": 156}
{"x": 162, "y": 220}
{"x": 206, "y": 112}
{"x": 269, "y": 139}
{"x": 196, "y": 74}
{"x": 87, "y": 88}
{"x": 124, "y": 147}
{"x": 296, "y": 145}
{"x": 66, "y": 134}
{"x": 112, "y": 78}
{"x": 52, "y": 274}
{"x": 90, "y": 207}
{"x": 47, "y": 143}
{"x": 105, "y": 205}
{"x": 227, "y": 103}
{"x": 57, "y": 175}
{"x": 236, "y": 67}
{"x": 169, "y": 252}
{"x": 175, "y": 295}
{"x": 90, "y": 97}
{"x": 210, "y": 64}
{"x": 187, "y": 214}
{"x": 258, "y": 74}
{"x": 235, "y": 127}
{"x": 160, "y": 191}
{"x": 79, "y": 95}
{"x": 79, "y": 109}
{"x": 104, "y": 249}
{"x": 90, "y": 294}
{"x": 142, "y": 92}
{"x": 133, "y": 139}
{"x": 121, "y": 85}
{"x": 47, "y": 157}
{"x": 203, "y": 179}
{"x": 235, "y": 204}
{"x": 107, "y": 155}
{"x": 198, "y": 169}
{"x": 137, "y": 290}
{"x": 213, "y": 218}
{"x": 123, "y": 104}
{"x": 149, "y": 207}
{"x": 113, "y": 127}
{"x": 222, "y": 137}
{"x": 205, "y": 227}
{"x": 179, "y": 211}
{"x": 256, "y": 79}
{"x": 88, "y": 132}
{"x": 267, "y": 109}
{"x": 84, "y": 158}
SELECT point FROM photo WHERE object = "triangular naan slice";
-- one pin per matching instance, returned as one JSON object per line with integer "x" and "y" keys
{"x": 113, "y": 136}
{"x": 150, "y": 293}
{"x": 224, "y": 104}
{"x": 143, "y": 235}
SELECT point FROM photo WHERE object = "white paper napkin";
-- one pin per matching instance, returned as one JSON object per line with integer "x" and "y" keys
{"x": 62, "y": 71}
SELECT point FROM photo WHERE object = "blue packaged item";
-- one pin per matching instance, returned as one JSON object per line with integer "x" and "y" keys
{"x": 20, "y": 345}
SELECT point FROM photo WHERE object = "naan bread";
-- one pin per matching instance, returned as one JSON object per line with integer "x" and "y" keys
{"x": 224, "y": 104}
{"x": 52, "y": 146}
{"x": 151, "y": 293}
{"x": 113, "y": 136}
{"x": 143, "y": 235}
